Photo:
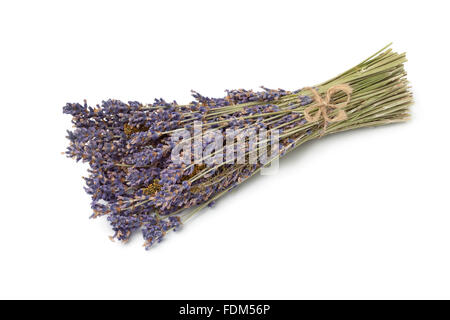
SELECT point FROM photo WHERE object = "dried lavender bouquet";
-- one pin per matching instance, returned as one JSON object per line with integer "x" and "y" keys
{"x": 135, "y": 181}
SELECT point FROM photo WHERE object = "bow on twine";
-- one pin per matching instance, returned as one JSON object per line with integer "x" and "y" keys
{"x": 324, "y": 104}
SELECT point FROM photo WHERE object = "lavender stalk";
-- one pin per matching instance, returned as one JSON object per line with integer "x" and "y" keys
{"x": 135, "y": 181}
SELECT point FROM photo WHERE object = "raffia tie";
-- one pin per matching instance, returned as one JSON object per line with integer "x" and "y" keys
{"x": 324, "y": 105}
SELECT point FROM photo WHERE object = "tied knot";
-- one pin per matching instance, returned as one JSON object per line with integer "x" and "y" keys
{"x": 324, "y": 104}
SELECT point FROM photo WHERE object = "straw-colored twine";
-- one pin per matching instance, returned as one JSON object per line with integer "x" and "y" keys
{"x": 324, "y": 105}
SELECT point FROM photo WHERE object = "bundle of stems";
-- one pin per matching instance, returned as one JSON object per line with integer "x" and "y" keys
{"x": 137, "y": 184}
{"x": 380, "y": 96}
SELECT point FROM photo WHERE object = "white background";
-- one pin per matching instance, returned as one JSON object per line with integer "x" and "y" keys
{"x": 362, "y": 214}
